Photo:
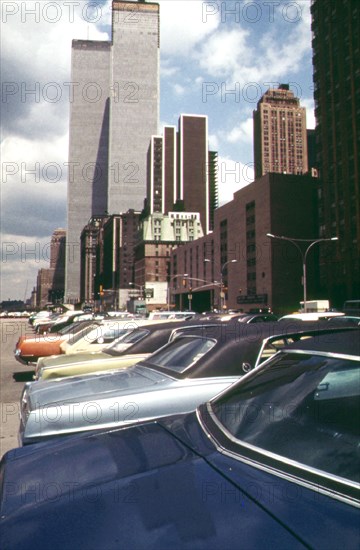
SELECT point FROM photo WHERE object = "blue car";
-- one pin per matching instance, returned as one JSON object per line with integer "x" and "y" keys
{"x": 272, "y": 462}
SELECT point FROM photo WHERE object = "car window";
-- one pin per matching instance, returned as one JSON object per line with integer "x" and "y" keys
{"x": 303, "y": 408}
{"x": 107, "y": 336}
{"x": 182, "y": 353}
{"x": 82, "y": 333}
{"x": 129, "y": 337}
{"x": 273, "y": 345}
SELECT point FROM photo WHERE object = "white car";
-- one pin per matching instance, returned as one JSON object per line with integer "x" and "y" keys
{"x": 312, "y": 316}
{"x": 103, "y": 335}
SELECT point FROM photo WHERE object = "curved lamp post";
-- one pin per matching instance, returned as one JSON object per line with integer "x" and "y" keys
{"x": 303, "y": 253}
{"x": 222, "y": 293}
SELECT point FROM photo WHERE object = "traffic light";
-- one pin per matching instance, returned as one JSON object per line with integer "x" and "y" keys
{"x": 101, "y": 291}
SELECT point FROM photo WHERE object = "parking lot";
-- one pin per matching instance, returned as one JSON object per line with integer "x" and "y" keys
{"x": 12, "y": 378}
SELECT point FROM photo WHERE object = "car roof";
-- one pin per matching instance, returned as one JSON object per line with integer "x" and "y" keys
{"x": 238, "y": 346}
{"x": 344, "y": 343}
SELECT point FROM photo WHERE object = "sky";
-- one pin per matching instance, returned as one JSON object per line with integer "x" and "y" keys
{"x": 216, "y": 58}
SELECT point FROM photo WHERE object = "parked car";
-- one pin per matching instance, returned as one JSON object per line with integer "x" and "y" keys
{"x": 177, "y": 378}
{"x": 61, "y": 321}
{"x": 102, "y": 336}
{"x": 312, "y": 316}
{"x": 39, "y": 317}
{"x": 140, "y": 343}
{"x": 28, "y": 349}
{"x": 350, "y": 319}
{"x": 271, "y": 462}
{"x": 263, "y": 317}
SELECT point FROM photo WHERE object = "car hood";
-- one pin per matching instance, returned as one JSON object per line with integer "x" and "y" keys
{"x": 161, "y": 484}
{"x": 94, "y": 386}
{"x": 141, "y": 487}
{"x": 142, "y": 395}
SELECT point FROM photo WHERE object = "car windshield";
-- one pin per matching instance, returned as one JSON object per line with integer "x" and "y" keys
{"x": 301, "y": 407}
{"x": 181, "y": 354}
{"x": 82, "y": 333}
{"x": 75, "y": 327}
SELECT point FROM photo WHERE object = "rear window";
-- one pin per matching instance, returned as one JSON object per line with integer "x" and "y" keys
{"x": 182, "y": 353}
{"x": 302, "y": 407}
{"x": 129, "y": 338}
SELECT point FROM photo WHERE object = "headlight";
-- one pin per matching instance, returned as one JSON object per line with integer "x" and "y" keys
{"x": 17, "y": 352}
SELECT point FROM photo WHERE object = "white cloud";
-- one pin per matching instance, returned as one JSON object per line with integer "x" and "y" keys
{"x": 179, "y": 90}
{"x": 310, "y": 113}
{"x": 232, "y": 176}
{"x": 183, "y": 26}
{"x": 242, "y": 133}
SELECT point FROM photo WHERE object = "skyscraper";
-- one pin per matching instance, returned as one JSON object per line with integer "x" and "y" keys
{"x": 182, "y": 172}
{"x": 280, "y": 139}
{"x": 114, "y": 111}
{"x": 336, "y": 61}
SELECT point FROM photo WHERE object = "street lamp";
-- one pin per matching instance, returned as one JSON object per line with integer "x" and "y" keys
{"x": 222, "y": 293}
{"x": 302, "y": 253}
{"x": 169, "y": 287}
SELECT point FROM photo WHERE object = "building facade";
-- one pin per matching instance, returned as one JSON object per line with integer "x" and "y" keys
{"x": 111, "y": 122}
{"x": 182, "y": 172}
{"x": 280, "y": 138}
{"x": 159, "y": 235}
{"x": 336, "y": 62}
{"x": 255, "y": 271}
{"x": 50, "y": 281}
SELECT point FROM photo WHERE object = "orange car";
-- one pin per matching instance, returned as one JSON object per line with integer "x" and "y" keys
{"x": 29, "y": 348}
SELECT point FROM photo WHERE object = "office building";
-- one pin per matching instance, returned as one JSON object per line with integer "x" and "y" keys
{"x": 182, "y": 172}
{"x": 280, "y": 138}
{"x": 267, "y": 272}
{"x": 114, "y": 112}
{"x": 159, "y": 235}
{"x": 336, "y": 61}
{"x": 50, "y": 281}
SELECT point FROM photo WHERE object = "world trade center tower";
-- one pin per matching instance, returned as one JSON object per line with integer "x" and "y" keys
{"x": 114, "y": 112}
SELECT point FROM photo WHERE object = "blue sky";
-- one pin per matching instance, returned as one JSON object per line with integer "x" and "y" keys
{"x": 217, "y": 58}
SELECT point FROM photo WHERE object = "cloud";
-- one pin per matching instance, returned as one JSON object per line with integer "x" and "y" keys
{"x": 184, "y": 26}
{"x": 232, "y": 176}
{"x": 242, "y": 133}
{"x": 258, "y": 53}
{"x": 36, "y": 71}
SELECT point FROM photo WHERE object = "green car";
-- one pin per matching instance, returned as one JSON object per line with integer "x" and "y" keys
{"x": 127, "y": 350}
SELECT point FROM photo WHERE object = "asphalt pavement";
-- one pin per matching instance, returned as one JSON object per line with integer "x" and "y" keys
{"x": 13, "y": 375}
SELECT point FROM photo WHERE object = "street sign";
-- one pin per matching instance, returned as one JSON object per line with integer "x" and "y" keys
{"x": 149, "y": 293}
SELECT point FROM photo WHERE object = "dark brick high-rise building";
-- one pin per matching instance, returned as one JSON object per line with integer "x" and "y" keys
{"x": 336, "y": 60}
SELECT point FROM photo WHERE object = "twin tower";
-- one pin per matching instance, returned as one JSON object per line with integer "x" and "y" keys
{"x": 114, "y": 112}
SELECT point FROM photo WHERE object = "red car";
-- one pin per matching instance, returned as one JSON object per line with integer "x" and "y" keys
{"x": 29, "y": 348}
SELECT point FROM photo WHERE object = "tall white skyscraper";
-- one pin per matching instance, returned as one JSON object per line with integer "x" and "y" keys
{"x": 114, "y": 112}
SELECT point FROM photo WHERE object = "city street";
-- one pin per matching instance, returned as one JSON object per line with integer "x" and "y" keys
{"x": 12, "y": 378}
